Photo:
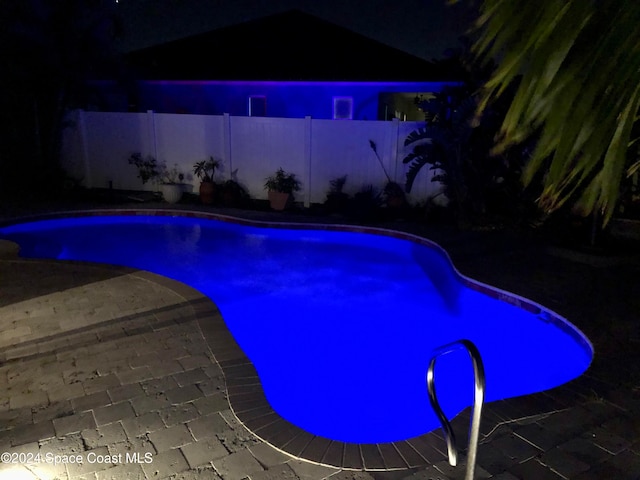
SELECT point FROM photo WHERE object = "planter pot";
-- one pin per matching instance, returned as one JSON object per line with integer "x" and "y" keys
{"x": 278, "y": 200}
{"x": 172, "y": 193}
{"x": 207, "y": 192}
{"x": 395, "y": 201}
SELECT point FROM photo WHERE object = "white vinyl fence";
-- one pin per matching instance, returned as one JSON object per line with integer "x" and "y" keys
{"x": 98, "y": 144}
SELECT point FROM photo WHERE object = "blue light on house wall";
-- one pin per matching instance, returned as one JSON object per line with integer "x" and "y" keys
{"x": 296, "y": 99}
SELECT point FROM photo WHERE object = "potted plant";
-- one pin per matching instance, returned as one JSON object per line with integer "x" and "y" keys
{"x": 148, "y": 168}
{"x": 233, "y": 194}
{"x": 336, "y": 199}
{"x": 171, "y": 184}
{"x": 394, "y": 195}
{"x": 281, "y": 186}
{"x": 205, "y": 171}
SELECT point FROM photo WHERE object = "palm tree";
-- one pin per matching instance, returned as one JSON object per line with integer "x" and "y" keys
{"x": 577, "y": 68}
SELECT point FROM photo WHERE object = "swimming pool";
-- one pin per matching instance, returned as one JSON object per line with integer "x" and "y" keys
{"x": 339, "y": 324}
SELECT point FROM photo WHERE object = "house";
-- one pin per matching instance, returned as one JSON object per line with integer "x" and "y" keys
{"x": 290, "y": 64}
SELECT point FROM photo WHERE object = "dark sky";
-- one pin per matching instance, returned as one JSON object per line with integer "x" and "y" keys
{"x": 424, "y": 28}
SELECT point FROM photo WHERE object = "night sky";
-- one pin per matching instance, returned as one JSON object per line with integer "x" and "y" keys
{"x": 424, "y": 28}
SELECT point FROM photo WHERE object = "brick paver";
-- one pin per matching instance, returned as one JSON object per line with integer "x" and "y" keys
{"x": 204, "y": 451}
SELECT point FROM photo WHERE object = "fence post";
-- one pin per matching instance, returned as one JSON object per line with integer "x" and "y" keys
{"x": 84, "y": 149}
{"x": 394, "y": 126}
{"x": 307, "y": 161}
{"x": 151, "y": 131}
{"x": 226, "y": 134}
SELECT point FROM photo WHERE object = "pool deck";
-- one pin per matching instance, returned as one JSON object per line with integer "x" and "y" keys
{"x": 103, "y": 361}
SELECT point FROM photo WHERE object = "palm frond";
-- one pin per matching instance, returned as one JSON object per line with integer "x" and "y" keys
{"x": 416, "y": 136}
{"x": 579, "y": 95}
{"x": 413, "y": 171}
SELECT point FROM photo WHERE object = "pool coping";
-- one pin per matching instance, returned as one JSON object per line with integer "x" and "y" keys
{"x": 249, "y": 404}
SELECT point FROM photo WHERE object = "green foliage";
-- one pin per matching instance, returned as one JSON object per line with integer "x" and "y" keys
{"x": 576, "y": 67}
{"x": 283, "y": 182}
{"x": 337, "y": 184}
{"x": 206, "y": 169}
{"x": 148, "y": 168}
{"x": 442, "y": 142}
{"x": 456, "y": 146}
{"x": 337, "y": 200}
{"x": 171, "y": 176}
{"x": 234, "y": 194}
{"x": 393, "y": 189}
{"x": 444, "y": 145}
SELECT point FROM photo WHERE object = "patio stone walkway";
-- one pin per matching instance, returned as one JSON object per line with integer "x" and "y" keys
{"x": 111, "y": 366}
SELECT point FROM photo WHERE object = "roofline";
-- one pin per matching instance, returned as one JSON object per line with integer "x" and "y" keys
{"x": 299, "y": 82}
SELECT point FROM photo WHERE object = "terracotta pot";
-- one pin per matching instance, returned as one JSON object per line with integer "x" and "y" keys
{"x": 395, "y": 201}
{"x": 207, "y": 192}
{"x": 278, "y": 200}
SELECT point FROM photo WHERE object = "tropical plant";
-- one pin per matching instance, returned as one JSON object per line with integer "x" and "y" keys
{"x": 576, "y": 67}
{"x": 392, "y": 189}
{"x": 337, "y": 199}
{"x": 337, "y": 185}
{"x": 233, "y": 194}
{"x": 283, "y": 182}
{"x": 456, "y": 144}
{"x": 171, "y": 176}
{"x": 454, "y": 150}
{"x": 440, "y": 143}
{"x": 206, "y": 169}
{"x": 148, "y": 168}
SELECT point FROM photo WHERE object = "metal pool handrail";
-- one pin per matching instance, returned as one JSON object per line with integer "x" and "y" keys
{"x": 478, "y": 400}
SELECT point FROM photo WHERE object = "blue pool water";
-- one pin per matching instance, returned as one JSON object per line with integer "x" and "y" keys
{"x": 339, "y": 325}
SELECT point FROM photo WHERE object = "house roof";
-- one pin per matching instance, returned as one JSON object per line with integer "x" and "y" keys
{"x": 288, "y": 46}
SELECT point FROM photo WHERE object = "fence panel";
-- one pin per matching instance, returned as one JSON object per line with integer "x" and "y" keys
{"x": 261, "y": 145}
{"x": 342, "y": 148}
{"x": 182, "y": 140}
{"x": 317, "y": 151}
{"x": 110, "y": 139}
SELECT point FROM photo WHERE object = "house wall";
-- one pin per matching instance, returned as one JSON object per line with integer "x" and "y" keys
{"x": 283, "y": 99}
{"x": 98, "y": 145}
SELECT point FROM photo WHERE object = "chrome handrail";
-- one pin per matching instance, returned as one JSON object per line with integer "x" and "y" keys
{"x": 478, "y": 400}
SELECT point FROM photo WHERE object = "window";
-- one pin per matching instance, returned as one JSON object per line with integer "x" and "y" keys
{"x": 257, "y": 106}
{"x": 342, "y": 108}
